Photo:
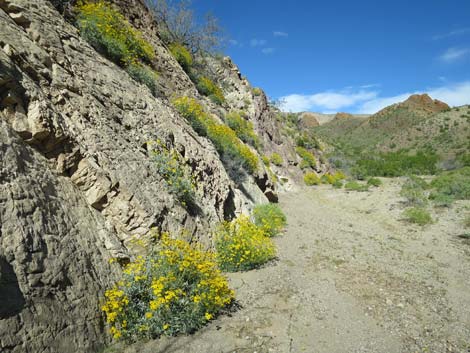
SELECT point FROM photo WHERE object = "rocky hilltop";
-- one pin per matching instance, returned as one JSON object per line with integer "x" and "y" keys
{"x": 77, "y": 181}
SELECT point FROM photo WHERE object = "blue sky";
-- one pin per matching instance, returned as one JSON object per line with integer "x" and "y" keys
{"x": 354, "y": 56}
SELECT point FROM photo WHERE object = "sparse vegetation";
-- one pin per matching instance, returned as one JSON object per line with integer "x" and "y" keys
{"x": 233, "y": 152}
{"x": 454, "y": 185}
{"x": 356, "y": 186}
{"x": 174, "y": 170}
{"x": 418, "y": 216}
{"x": 311, "y": 178}
{"x": 414, "y": 190}
{"x": 112, "y": 35}
{"x": 243, "y": 128}
{"x": 257, "y": 91}
{"x": 276, "y": 159}
{"x": 466, "y": 221}
{"x": 208, "y": 88}
{"x": 241, "y": 245}
{"x": 175, "y": 289}
{"x": 374, "y": 182}
{"x": 308, "y": 159}
{"x": 271, "y": 218}
{"x": 182, "y": 56}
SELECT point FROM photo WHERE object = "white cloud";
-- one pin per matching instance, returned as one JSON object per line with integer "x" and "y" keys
{"x": 280, "y": 34}
{"x": 325, "y": 100}
{"x": 453, "y": 33}
{"x": 454, "y": 54}
{"x": 257, "y": 42}
{"x": 368, "y": 101}
{"x": 267, "y": 50}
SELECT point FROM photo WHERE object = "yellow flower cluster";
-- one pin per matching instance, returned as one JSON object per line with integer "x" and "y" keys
{"x": 177, "y": 288}
{"x": 333, "y": 178}
{"x": 270, "y": 217}
{"x": 104, "y": 26}
{"x": 311, "y": 178}
{"x": 182, "y": 55}
{"x": 241, "y": 245}
{"x": 223, "y": 137}
{"x": 208, "y": 88}
{"x": 308, "y": 159}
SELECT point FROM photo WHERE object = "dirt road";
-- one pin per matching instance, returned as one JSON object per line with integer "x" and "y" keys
{"x": 351, "y": 278}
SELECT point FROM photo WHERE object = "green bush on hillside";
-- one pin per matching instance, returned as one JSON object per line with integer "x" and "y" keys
{"x": 270, "y": 217}
{"x": 308, "y": 159}
{"x": 243, "y": 128}
{"x": 311, "y": 178}
{"x": 182, "y": 56}
{"x": 233, "y": 152}
{"x": 208, "y": 88}
{"x": 276, "y": 159}
{"x": 453, "y": 184}
{"x": 111, "y": 34}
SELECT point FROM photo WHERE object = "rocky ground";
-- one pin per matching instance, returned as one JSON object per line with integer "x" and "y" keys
{"x": 351, "y": 277}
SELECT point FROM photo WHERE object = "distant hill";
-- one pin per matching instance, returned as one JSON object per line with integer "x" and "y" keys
{"x": 418, "y": 123}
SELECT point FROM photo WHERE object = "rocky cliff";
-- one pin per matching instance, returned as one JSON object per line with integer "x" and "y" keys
{"x": 77, "y": 181}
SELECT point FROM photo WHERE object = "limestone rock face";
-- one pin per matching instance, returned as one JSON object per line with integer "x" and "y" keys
{"x": 77, "y": 181}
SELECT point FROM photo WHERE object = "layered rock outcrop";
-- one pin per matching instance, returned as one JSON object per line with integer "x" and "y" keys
{"x": 77, "y": 181}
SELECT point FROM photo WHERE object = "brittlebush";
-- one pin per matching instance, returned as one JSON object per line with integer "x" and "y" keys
{"x": 241, "y": 245}
{"x": 176, "y": 289}
{"x": 271, "y": 218}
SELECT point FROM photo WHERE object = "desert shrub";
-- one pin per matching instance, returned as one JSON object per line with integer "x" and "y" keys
{"x": 110, "y": 33}
{"x": 175, "y": 289}
{"x": 241, "y": 245}
{"x": 174, "y": 170}
{"x": 331, "y": 179}
{"x": 414, "y": 190}
{"x": 208, "y": 88}
{"x": 311, "y": 178}
{"x": 145, "y": 75}
{"x": 308, "y": 140}
{"x": 234, "y": 153}
{"x": 355, "y": 186}
{"x": 276, "y": 159}
{"x": 182, "y": 55}
{"x": 374, "y": 182}
{"x": 395, "y": 164}
{"x": 417, "y": 215}
{"x": 266, "y": 160}
{"x": 455, "y": 184}
{"x": 269, "y": 217}
{"x": 243, "y": 128}
{"x": 308, "y": 159}
{"x": 257, "y": 91}
{"x": 338, "y": 184}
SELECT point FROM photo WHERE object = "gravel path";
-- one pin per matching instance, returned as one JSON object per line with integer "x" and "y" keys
{"x": 351, "y": 278}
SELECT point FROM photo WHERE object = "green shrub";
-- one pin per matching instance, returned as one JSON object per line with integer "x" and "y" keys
{"x": 208, "y": 88}
{"x": 395, "y": 164}
{"x": 417, "y": 215}
{"x": 276, "y": 159}
{"x": 233, "y": 152}
{"x": 270, "y": 217}
{"x": 413, "y": 189}
{"x": 355, "y": 186}
{"x": 257, "y": 91}
{"x": 171, "y": 166}
{"x": 338, "y": 184}
{"x": 454, "y": 184}
{"x": 374, "y": 182}
{"x": 266, "y": 160}
{"x": 175, "y": 289}
{"x": 182, "y": 56}
{"x": 110, "y": 33}
{"x": 311, "y": 178}
{"x": 308, "y": 159}
{"x": 242, "y": 246}
{"x": 145, "y": 75}
{"x": 243, "y": 128}
{"x": 331, "y": 179}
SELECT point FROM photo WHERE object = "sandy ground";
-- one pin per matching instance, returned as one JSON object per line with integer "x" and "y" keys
{"x": 351, "y": 277}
